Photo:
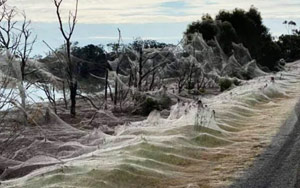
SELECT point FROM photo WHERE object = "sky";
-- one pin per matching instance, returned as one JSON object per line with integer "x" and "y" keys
{"x": 161, "y": 20}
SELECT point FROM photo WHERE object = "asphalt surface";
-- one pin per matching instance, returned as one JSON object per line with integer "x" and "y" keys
{"x": 279, "y": 165}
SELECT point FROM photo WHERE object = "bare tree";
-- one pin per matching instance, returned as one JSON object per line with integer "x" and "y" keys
{"x": 120, "y": 56}
{"x": 26, "y": 45}
{"x": 181, "y": 70}
{"x": 50, "y": 93}
{"x": 10, "y": 40}
{"x": 23, "y": 51}
{"x": 54, "y": 57}
{"x": 13, "y": 70}
{"x": 147, "y": 64}
{"x": 5, "y": 92}
{"x": 71, "y": 65}
{"x": 2, "y": 2}
{"x": 5, "y": 97}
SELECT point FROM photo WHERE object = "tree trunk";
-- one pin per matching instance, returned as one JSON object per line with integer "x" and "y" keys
{"x": 117, "y": 84}
{"x": 73, "y": 93}
{"x": 23, "y": 64}
{"x": 116, "y": 92}
{"x": 23, "y": 102}
{"x": 54, "y": 100}
{"x": 152, "y": 81}
{"x": 140, "y": 70}
{"x": 65, "y": 96}
{"x": 23, "y": 91}
{"x": 106, "y": 87}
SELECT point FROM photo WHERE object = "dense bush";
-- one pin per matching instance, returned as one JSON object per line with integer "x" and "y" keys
{"x": 226, "y": 36}
{"x": 148, "y": 106}
{"x": 207, "y": 28}
{"x": 165, "y": 102}
{"x": 151, "y": 104}
{"x": 290, "y": 47}
{"x": 91, "y": 60}
{"x": 244, "y": 27}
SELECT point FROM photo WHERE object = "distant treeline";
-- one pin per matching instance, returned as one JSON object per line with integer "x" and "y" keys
{"x": 228, "y": 27}
{"x": 93, "y": 60}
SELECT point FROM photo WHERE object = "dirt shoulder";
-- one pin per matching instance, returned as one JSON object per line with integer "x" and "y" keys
{"x": 278, "y": 166}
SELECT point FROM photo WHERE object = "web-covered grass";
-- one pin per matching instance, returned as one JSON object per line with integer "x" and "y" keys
{"x": 162, "y": 152}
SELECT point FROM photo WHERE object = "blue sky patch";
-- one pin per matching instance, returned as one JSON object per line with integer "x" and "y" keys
{"x": 174, "y": 8}
{"x": 210, "y": 2}
{"x": 174, "y": 4}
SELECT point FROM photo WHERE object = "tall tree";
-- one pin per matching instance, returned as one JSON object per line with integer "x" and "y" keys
{"x": 72, "y": 72}
{"x": 24, "y": 50}
{"x": 91, "y": 60}
{"x": 240, "y": 26}
{"x": 253, "y": 34}
{"x": 17, "y": 41}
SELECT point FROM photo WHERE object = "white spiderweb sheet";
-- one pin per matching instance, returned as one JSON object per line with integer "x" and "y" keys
{"x": 145, "y": 152}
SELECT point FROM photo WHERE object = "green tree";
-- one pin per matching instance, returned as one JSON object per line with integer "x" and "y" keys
{"x": 253, "y": 34}
{"x": 207, "y": 27}
{"x": 240, "y": 26}
{"x": 226, "y": 36}
{"x": 290, "y": 46}
{"x": 92, "y": 60}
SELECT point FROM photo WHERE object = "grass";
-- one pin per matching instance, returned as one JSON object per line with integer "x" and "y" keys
{"x": 206, "y": 140}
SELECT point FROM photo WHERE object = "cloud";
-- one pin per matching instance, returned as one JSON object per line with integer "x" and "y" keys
{"x": 151, "y": 11}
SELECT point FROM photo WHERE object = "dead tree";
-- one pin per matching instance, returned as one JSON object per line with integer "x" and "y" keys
{"x": 10, "y": 40}
{"x": 116, "y": 63}
{"x": 50, "y": 94}
{"x": 71, "y": 65}
{"x": 118, "y": 68}
{"x": 11, "y": 35}
{"x": 60, "y": 58}
{"x": 5, "y": 97}
{"x": 26, "y": 45}
{"x": 2, "y": 2}
{"x": 146, "y": 63}
{"x": 23, "y": 51}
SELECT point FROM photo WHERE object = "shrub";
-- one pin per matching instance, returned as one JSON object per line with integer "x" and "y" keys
{"x": 148, "y": 106}
{"x": 225, "y": 84}
{"x": 202, "y": 91}
{"x": 165, "y": 102}
{"x": 151, "y": 104}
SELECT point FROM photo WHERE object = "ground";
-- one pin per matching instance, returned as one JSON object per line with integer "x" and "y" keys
{"x": 207, "y": 158}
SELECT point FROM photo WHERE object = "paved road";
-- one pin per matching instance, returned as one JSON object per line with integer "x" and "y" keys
{"x": 279, "y": 165}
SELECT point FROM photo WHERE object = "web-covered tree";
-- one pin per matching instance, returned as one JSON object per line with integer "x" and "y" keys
{"x": 16, "y": 41}
{"x": 240, "y": 26}
{"x": 92, "y": 59}
{"x": 207, "y": 27}
{"x": 145, "y": 62}
{"x": 137, "y": 67}
{"x": 290, "y": 43}
{"x": 72, "y": 71}
{"x": 253, "y": 34}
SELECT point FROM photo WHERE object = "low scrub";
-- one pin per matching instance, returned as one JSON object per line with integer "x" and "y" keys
{"x": 225, "y": 84}
{"x": 151, "y": 104}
